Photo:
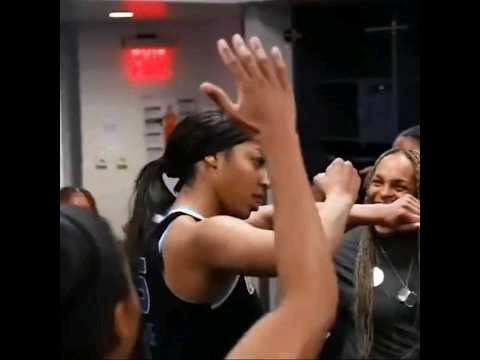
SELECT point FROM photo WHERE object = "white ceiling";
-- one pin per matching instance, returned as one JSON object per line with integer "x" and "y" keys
{"x": 177, "y": 10}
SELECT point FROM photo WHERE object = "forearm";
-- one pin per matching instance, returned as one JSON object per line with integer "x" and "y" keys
{"x": 366, "y": 214}
{"x": 335, "y": 212}
{"x": 335, "y": 215}
{"x": 299, "y": 236}
{"x": 359, "y": 214}
{"x": 301, "y": 341}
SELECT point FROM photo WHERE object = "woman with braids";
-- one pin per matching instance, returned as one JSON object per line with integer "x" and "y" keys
{"x": 378, "y": 269}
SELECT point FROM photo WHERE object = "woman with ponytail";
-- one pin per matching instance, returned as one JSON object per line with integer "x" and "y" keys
{"x": 192, "y": 261}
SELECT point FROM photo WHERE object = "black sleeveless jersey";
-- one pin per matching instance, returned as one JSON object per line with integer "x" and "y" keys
{"x": 178, "y": 329}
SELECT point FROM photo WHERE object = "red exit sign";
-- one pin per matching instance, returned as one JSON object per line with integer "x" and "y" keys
{"x": 148, "y": 64}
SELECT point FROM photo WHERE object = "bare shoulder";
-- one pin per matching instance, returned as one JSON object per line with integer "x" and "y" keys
{"x": 221, "y": 226}
{"x": 188, "y": 234}
{"x": 223, "y": 243}
{"x": 180, "y": 234}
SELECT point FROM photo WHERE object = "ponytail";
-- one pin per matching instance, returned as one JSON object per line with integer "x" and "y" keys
{"x": 151, "y": 196}
{"x": 195, "y": 137}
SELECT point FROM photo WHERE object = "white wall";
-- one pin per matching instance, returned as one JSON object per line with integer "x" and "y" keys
{"x": 106, "y": 96}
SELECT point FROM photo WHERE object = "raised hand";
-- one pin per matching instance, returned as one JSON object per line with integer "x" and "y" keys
{"x": 265, "y": 99}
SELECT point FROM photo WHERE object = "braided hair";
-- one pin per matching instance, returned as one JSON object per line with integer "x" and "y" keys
{"x": 367, "y": 259}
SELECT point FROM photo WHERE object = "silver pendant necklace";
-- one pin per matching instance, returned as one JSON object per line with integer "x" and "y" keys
{"x": 406, "y": 296}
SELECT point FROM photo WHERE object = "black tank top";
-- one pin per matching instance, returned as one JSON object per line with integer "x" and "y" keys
{"x": 178, "y": 329}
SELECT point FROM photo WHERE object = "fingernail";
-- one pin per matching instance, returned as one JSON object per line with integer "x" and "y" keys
{"x": 237, "y": 40}
{"x": 255, "y": 41}
{"x": 222, "y": 44}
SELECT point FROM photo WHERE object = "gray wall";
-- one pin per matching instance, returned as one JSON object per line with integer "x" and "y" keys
{"x": 70, "y": 136}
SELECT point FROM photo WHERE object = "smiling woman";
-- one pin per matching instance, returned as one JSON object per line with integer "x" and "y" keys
{"x": 379, "y": 273}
